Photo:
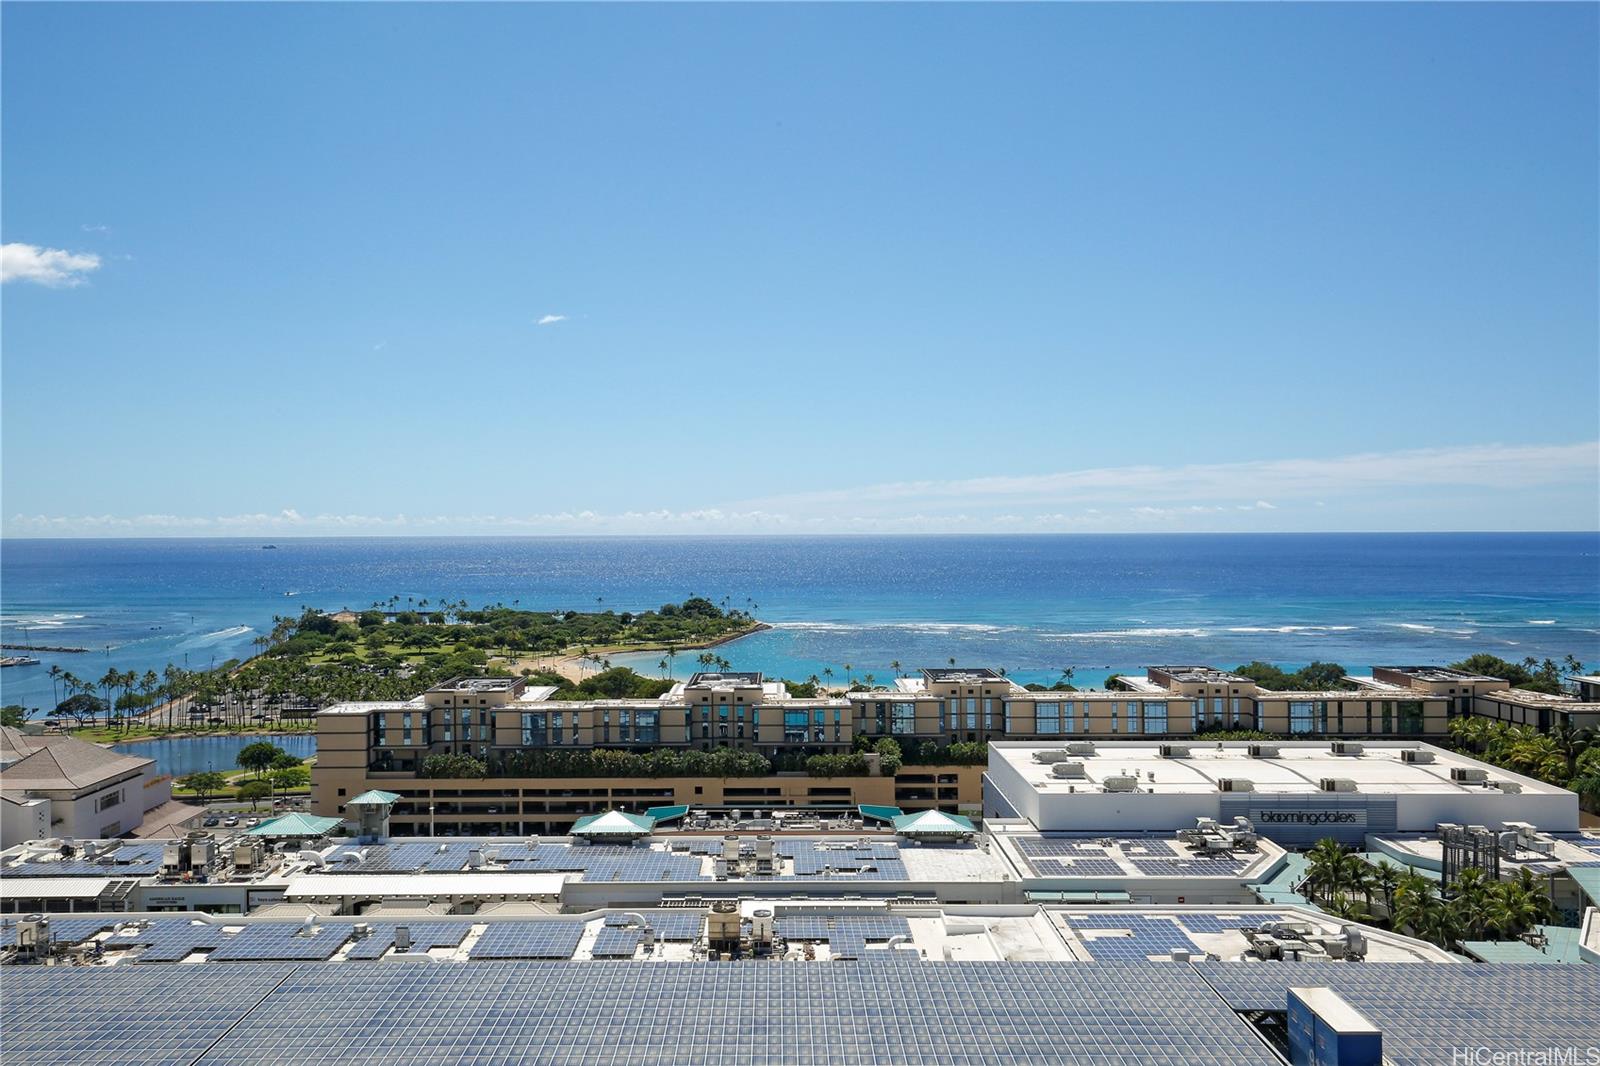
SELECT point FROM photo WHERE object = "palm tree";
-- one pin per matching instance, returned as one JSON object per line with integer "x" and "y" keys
{"x": 55, "y": 676}
{"x": 895, "y": 666}
{"x": 951, "y": 661}
{"x": 663, "y": 665}
{"x": 1571, "y": 744}
{"x": 1066, "y": 675}
{"x": 847, "y": 669}
{"x": 1385, "y": 880}
{"x": 827, "y": 672}
{"x": 867, "y": 679}
{"x": 1470, "y": 900}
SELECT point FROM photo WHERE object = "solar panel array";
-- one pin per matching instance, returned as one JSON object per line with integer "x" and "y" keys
{"x": 871, "y": 861}
{"x": 588, "y": 1014}
{"x": 276, "y": 941}
{"x": 682, "y": 925}
{"x": 1426, "y": 1014}
{"x": 615, "y": 943}
{"x": 128, "y": 860}
{"x": 174, "y": 940}
{"x": 528, "y": 940}
{"x": 826, "y": 926}
{"x": 65, "y": 930}
{"x": 1224, "y": 923}
{"x": 1056, "y": 847}
{"x": 1209, "y": 866}
{"x": 1077, "y": 868}
{"x": 1145, "y": 936}
{"x": 424, "y": 937}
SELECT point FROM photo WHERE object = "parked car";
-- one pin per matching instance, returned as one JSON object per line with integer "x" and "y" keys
{"x": 231, "y": 820}
{"x": 210, "y": 821}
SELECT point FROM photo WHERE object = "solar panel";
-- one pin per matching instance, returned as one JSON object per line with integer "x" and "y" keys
{"x": 424, "y": 937}
{"x": 528, "y": 940}
{"x": 274, "y": 941}
{"x": 62, "y": 930}
{"x": 614, "y": 943}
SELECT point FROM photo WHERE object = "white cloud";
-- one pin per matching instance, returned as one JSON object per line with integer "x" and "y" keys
{"x": 1478, "y": 487}
{"x": 54, "y": 267}
{"x": 87, "y": 228}
{"x": 550, "y": 320}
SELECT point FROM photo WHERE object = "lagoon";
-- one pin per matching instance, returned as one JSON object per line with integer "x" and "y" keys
{"x": 189, "y": 755}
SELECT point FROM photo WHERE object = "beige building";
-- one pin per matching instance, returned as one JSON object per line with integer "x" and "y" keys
{"x": 363, "y": 746}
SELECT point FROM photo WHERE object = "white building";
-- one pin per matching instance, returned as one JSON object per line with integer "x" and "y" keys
{"x": 1294, "y": 792}
{"x": 57, "y": 786}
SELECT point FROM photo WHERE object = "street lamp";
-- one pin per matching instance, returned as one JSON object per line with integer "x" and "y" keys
{"x": 430, "y": 819}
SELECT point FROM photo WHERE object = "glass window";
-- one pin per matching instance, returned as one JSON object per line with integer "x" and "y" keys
{"x": 1155, "y": 717}
{"x": 1113, "y": 716}
{"x": 1046, "y": 718}
{"x": 972, "y": 712}
{"x": 648, "y": 725}
{"x": 1301, "y": 716}
{"x": 1133, "y": 717}
{"x": 903, "y": 718}
{"x": 819, "y": 717}
{"x": 1410, "y": 716}
{"x": 1069, "y": 716}
{"x": 988, "y": 713}
{"x": 794, "y": 726}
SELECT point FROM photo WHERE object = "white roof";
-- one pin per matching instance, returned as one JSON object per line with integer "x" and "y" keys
{"x": 502, "y": 883}
{"x": 52, "y": 887}
{"x": 1299, "y": 767}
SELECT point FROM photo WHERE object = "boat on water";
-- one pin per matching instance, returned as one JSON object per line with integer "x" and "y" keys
{"x": 19, "y": 660}
{"x": 269, "y": 547}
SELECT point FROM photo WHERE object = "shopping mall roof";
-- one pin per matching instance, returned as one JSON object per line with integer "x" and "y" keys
{"x": 1284, "y": 767}
{"x": 1139, "y": 1012}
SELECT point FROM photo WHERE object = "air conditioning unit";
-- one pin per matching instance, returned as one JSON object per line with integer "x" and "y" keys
{"x": 1049, "y": 756}
{"x": 1067, "y": 769}
{"x": 1416, "y": 755}
{"x": 1263, "y": 751}
{"x": 1235, "y": 784}
{"x": 1337, "y": 784}
{"x": 1474, "y": 775}
{"x": 1174, "y": 751}
{"x": 1080, "y": 747}
{"x": 1120, "y": 783}
{"x": 1347, "y": 747}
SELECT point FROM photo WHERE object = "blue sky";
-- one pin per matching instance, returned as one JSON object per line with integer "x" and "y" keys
{"x": 282, "y": 268}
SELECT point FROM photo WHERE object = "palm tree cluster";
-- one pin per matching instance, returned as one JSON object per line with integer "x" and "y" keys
{"x": 1564, "y": 756}
{"x": 1384, "y": 894}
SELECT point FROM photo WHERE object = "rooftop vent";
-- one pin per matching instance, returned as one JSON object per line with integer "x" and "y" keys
{"x": 1475, "y": 775}
{"x": 1337, "y": 784}
{"x": 1416, "y": 755}
{"x": 1080, "y": 747}
{"x": 1263, "y": 751}
{"x": 1509, "y": 787}
{"x": 1120, "y": 783}
{"x": 1174, "y": 751}
{"x": 1235, "y": 784}
{"x": 1347, "y": 747}
{"x": 1050, "y": 755}
{"x": 1067, "y": 769}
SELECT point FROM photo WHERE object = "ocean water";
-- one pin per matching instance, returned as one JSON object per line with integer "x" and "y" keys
{"x": 1033, "y": 604}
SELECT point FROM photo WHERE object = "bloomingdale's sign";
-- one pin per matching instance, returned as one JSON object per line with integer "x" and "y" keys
{"x": 1342, "y": 816}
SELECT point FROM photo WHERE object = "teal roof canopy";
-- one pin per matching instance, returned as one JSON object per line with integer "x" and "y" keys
{"x": 882, "y": 814}
{"x": 374, "y": 798}
{"x": 613, "y": 824}
{"x": 666, "y": 814}
{"x": 933, "y": 824}
{"x": 295, "y": 825}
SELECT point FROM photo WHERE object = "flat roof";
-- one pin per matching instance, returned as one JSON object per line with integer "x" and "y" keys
{"x": 561, "y": 1014}
{"x": 960, "y": 674}
{"x": 705, "y": 679}
{"x": 1437, "y": 673}
{"x": 1299, "y": 767}
{"x": 1204, "y": 674}
{"x": 498, "y": 883}
{"x": 478, "y": 684}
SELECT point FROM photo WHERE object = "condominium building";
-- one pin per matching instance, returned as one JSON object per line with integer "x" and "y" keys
{"x": 500, "y": 719}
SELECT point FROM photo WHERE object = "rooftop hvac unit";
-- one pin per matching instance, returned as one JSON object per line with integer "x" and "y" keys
{"x": 1235, "y": 784}
{"x": 1470, "y": 774}
{"x": 1174, "y": 751}
{"x": 1347, "y": 747}
{"x": 1263, "y": 751}
{"x": 1416, "y": 755}
{"x": 1337, "y": 784}
{"x": 1049, "y": 755}
{"x": 1120, "y": 783}
{"x": 1068, "y": 769}
{"x": 1080, "y": 747}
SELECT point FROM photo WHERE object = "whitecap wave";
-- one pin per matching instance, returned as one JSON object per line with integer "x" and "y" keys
{"x": 902, "y": 627}
{"x": 1290, "y": 629}
{"x": 1142, "y": 631}
{"x": 1541, "y": 621}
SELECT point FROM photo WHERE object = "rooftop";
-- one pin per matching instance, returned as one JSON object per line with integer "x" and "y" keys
{"x": 962, "y": 675}
{"x": 562, "y": 1015}
{"x": 479, "y": 684}
{"x": 1208, "y": 675}
{"x": 1296, "y": 767}
{"x": 742, "y": 678}
{"x": 55, "y": 763}
{"x": 1436, "y": 673}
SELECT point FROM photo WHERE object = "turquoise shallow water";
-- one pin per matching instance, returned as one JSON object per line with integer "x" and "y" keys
{"x": 1033, "y": 604}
